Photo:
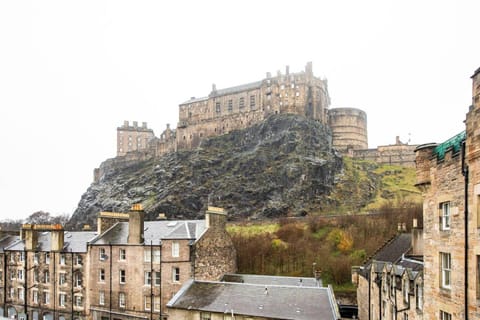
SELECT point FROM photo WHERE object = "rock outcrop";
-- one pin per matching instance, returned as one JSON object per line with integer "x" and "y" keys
{"x": 282, "y": 166}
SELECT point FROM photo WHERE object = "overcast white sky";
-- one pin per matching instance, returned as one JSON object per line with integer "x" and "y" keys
{"x": 72, "y": 71}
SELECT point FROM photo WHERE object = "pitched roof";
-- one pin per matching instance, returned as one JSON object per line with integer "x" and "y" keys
{"x": 271, "y": 301}
{"x": 8, "y": 241}
{"x": 73, "y": 241}
{"x": 154, "y": 232}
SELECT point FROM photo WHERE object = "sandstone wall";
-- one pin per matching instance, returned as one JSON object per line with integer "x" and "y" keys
{"x": 349, "y": 128}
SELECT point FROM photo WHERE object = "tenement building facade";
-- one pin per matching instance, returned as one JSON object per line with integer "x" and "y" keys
{"x": 128, "y": 269}
{"x": 449, "y": 176}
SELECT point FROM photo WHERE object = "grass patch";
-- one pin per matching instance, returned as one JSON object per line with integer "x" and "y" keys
{"x": 252, "y": 229}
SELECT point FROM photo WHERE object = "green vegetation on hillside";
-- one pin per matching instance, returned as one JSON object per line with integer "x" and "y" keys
{"x": 294, "y": 247}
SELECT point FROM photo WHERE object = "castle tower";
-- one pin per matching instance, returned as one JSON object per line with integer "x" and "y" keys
{"x": 349, "y": 129}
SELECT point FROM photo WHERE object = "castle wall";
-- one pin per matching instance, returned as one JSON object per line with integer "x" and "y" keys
{"x": 397, "y": 154}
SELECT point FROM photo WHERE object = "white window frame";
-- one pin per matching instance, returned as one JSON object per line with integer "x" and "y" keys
{"x": 121, "y": 300}
{"x": 46, "y": 276}
{"x": 78, "y": 260}
{"x": 147, "y": 255}
{"x": 148, "y": 278}
{"x": 12, "y": 292}
{"x": 445, "y": 215}
{"x": 35, "y": 296}
{"x": 156, "y": 303}
{"x": 156, "y": 255}
{"x": 62, "y": 278}
{"x": 47, "y": 257}
{"x": 175, "y": 249}
{"x": 20, "y": 274}
{"x": 62, "y": 259}
{"x": 36, "y": 258}
{"x": 21, "y": 294}
{"x": 78, "y": 300}
{"x": 46, "y": 297}
{"x": 101, "y": 275}
{"x": 446, "y": 270}
{"x": 101, "y": 298}
{"x": 175, "y": 274}
{"x": 78, "y": 280}
{"x": 122, "y": 276}
{"x": 158, "y": 278}
{"x": 122, "y": 254}
{"x": 147, "y": 303}
{"x": 101, "y": 254}
{"x": 62, "y": 299}
{"x": 445, "y": 315}
{"x": 205, "y": 316}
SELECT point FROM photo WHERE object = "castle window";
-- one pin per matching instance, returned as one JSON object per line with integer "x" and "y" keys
{"x": 217, "y": 107}
{"x": 293, "y": 85}
{"x": 445, "y": 215}
{"x": 241, "y": 103}
{"x": 446, "y": 269}
{"x": 297, "y": 94}
{"x": 230, "y": 105}
{"x": 252, "y": 102}
{"x": 282, "y": 87}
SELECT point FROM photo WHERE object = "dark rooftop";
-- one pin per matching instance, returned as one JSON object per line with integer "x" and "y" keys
{"x": 267, "y": 301}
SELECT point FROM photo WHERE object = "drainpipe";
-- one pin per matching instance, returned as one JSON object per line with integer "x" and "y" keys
{"x": 110, "y": 273}
{"x": 152, "y": 279}
{"x": 369, "y": 293}
{"x": 465, "y": 175}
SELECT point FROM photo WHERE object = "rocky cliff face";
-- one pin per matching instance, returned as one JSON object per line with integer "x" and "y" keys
{"x": 282, "y": 166}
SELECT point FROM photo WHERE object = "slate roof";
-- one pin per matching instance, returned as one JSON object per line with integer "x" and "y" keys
{"x": 72, "y": 242}
{"x": 154, "y": 232}
{"x": 8, "y": 241}
{"x": 255, "y": 300}
{"x": 271, "y": 280}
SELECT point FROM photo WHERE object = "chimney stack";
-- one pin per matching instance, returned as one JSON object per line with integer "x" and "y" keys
{"x": 30, "y": 236}
{"x": 57, "y": 237}
{"x": 287, "y": 70}
{"x": 135, "y": 224}
{"x": 215, "y": 218}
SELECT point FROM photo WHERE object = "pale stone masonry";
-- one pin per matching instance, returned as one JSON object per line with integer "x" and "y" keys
{"x": 136, "y": 267}
{"x": 45, "y": 274}
{"x": 449, "y": 176}
{"x": 128, "y": 269}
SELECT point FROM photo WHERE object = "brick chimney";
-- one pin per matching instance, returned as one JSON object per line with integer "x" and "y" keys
{"x": 215, "y": 218}
{"x": 135, "y": 224}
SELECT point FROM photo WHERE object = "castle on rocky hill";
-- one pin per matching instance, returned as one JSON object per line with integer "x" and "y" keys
{"x": 224, "y": 110}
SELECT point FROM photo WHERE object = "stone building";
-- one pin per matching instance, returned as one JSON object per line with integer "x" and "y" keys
{"x": 136, "y": 267}
{"x": 133, "y": 137}
{"x": 390, "y": 283}
{"x": 449, "y": 176}
{"x": 46, "y": 274}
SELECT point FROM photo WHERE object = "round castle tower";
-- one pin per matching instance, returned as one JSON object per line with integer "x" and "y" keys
{"x": 349, "y": 129}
